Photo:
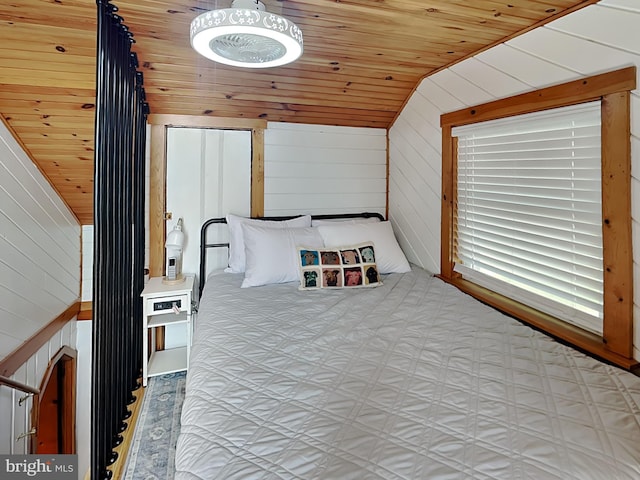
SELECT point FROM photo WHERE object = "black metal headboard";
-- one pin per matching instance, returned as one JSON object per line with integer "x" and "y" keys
{"x": 212, "y": 221}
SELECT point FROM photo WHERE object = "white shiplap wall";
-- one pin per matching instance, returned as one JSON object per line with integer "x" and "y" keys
{"x": 595, "y": 39}
{"x": 39, "y": 248}
{"x": 87, "y": 263}
{"x": 39, "y": 276}
{"x": 324, "y": 169}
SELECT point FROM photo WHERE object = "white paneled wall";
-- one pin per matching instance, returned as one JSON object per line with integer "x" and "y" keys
{"x": 39, "y": 277}
{"x": 83, "y": 396}
{"x": 324, "y": 169}
{"x": 595, "y": 39}
{"x": 87, "y": 263}
{"x": 39, "y": 248}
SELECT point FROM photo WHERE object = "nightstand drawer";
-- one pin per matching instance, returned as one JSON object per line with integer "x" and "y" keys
{"x": 157, "y": 306}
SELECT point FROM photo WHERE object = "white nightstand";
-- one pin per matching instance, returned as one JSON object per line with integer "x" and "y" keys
{"x": 165, "y": 305}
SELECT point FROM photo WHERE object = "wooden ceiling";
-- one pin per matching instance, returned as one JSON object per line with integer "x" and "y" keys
{"x": 362, "y": 59}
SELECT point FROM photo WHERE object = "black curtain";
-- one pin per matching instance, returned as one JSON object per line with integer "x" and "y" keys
{"x": 119, "y": 236}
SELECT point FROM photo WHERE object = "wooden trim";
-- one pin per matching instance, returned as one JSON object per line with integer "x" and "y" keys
{"x": 571, "y": 93}
{"x": 257, "y": 172}
{"x": 158, "y": 172}
{"x": 86, "y": 311}
{"x": 448, "y": 181}
{"x": 81, "y": 267}
{"x": 68, "y": 356}
{"x": 196, "y": 121}
{"x": 386, "y": 210}
{"x": 616, "y": 223}
{"x": 616, "y": 344}
{"x": 157, "y": 199}
{"x": 157, "y": 209}
{"x": 30, "y": 347}
{"x": 69, "y": 415}
{"x": 118, "y": 467}
{"x": 586, "y": 341}
{"x": 159, "y": 336}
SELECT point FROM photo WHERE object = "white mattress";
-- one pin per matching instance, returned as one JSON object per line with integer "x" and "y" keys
{"x": 411, "y": 380}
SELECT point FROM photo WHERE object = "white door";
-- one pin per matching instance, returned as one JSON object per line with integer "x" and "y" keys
{"x": 208, "y": 175}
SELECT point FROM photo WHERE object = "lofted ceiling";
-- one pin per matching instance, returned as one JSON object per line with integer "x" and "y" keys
{"x": 362, "y": 59}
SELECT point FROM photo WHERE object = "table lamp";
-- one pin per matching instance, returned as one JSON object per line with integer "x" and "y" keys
{"x": 173, "y": 246}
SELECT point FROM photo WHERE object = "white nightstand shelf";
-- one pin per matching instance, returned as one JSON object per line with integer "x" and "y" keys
{"x": 167, "y": 361}
{"x": 165, "y": 305}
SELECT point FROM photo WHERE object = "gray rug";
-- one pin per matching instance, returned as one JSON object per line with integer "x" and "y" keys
{"x": 152, "y": 452}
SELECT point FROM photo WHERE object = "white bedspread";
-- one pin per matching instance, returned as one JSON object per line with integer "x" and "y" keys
{"x": 411, "y": 380}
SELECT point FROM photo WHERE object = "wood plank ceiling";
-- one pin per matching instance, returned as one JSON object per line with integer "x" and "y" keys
{"x": 362, "y": 59}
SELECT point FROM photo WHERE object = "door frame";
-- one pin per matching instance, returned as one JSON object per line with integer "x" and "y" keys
{"x": 159, "y": 124}
{"x": 66, "y": 356}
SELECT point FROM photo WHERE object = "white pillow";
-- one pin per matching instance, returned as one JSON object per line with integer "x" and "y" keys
{"x": 272, "y": 253}
{"x": 390, "y": 258}
{"x": 351, "y": 221}
{"x": 236, "y": 239}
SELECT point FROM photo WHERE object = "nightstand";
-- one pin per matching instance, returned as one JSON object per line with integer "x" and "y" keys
{"x": 164, "y": 305}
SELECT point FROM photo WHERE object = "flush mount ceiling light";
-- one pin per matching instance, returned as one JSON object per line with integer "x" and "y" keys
{"x": 246, "y": 35}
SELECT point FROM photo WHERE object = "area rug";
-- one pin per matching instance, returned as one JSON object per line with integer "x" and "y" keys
{"x": 152, "y": 452}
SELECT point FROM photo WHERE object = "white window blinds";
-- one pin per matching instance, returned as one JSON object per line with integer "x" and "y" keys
{"x": 528, "y": 216}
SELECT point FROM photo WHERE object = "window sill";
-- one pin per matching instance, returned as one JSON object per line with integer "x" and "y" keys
{"x": 581, "y": 339}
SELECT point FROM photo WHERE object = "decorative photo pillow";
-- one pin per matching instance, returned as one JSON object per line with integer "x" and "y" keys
{"x": 351, "y": 266}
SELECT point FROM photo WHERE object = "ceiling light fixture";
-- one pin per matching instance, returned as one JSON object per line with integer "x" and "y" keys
{"x": 246, "y": 35}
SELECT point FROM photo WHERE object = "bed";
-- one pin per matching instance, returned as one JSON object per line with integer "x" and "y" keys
{"x": 410, "y": 379}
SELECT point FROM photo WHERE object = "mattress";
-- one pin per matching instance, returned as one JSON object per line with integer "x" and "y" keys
{"x": 410, "y": 380}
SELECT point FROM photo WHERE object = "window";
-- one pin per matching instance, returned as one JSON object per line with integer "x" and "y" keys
{"x": 539, "y": 226}
{"x": 528, "y": 216}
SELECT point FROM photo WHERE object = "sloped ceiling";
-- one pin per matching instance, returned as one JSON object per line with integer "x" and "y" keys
{"x": 361, "y": 61}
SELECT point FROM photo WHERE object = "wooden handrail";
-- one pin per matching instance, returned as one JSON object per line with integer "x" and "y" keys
{"x": 18, "y": 386}
{"x": 20, "y": 356}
